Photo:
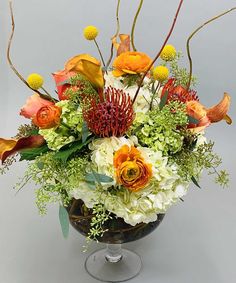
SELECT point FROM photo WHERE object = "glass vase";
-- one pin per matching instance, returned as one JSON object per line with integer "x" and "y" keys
{"x": 112, "y": 264}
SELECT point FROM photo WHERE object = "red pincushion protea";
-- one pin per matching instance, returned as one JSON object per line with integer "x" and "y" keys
{"x": 111, "y": 115}
{"x": 178, "y": 92}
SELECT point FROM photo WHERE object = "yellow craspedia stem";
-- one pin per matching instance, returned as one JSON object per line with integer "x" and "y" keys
{"x": 35, "y": 81}
{"x": 168, "y": 53}
{"x": 90, "y": 32}
{"x": 160, "y": 73}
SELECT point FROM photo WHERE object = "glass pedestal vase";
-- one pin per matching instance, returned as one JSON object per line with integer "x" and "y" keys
{"x": 112, "y": 264}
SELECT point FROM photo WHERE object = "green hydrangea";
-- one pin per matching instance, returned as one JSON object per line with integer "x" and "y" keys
{"x": 56, "y": 138}
{"x": 160, "y": 129}
{"x": 71, "y": 115}
{"x": 70, "y": 128}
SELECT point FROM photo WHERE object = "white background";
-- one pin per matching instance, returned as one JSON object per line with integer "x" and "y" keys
{"x": 196, "y": 241}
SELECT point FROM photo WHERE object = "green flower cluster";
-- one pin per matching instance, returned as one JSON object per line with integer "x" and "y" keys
{"x": 54, "y": 178}
{"x": 70, "y": 128}
{"x": 161, "y": 130}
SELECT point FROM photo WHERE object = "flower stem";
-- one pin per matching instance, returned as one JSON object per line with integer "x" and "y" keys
{"x": 100, "y": 53}
{"x": 192, "y": 35}
{"x": 134, "y": 24}
{"x": 116, "y": 34}
{"x": 9, "y": 57}
{"x": 159, "y": 53}
{"x": 53, "y": 99}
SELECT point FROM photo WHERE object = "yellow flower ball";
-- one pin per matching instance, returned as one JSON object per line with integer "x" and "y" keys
{"x": 35, "y": 81}
{"x": 160, "y": 73}
{"x": 168, "y": 53}
{"x": 90, "y": 32}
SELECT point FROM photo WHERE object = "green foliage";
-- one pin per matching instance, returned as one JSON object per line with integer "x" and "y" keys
{"x": 97, "y": 178}
{"x": 84, "y": 89}
{"x": 163, "y": 100}
{"x": 180, "y": 74}
{"x": 130, "y": 80}
{"x": 162, "y": 130}
{"x": 190, "y": 163}
{"x": 101, "y": 215}
{"x": 64, "y": 154}
{"x": 26, "y": 131}
{"x": 32, "y": 153}
{"x": 7, "y": 163}
{"x": 64, "y": 221}
{"x": 54, "y": 179}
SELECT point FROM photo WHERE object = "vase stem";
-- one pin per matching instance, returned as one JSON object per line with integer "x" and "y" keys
{"x": 113, "y": 253}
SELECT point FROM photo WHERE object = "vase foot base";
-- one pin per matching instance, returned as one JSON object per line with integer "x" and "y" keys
{"x": 101, "y": 269}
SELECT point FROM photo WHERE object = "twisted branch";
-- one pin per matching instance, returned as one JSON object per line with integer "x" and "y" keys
{"x": 134, "y": 24}
{"x": 192, "y": 35}
{"x": 159, "y": 53}
{"x": 116, "y": 34}
{"x": 10, "y": 61}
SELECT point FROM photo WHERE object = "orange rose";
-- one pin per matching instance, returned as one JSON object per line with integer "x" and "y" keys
{"x": 131, "y": 170}
{"x": 33, "y": 104}
{"x": 131, "y": 62}
{"x": 47, "y": 117}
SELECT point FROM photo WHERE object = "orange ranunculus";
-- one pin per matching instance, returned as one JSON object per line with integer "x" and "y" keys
{"x": 47, "y": 117}
{"x": 88, "y": 66}
{"x": 33, "y": 104}
{"x": 131, "y": 170}
{"x": 207, "y": 116}
{"x": 131, "y": 62}
{"x": 61, "y": 78}
{"x": 10, "y": 147}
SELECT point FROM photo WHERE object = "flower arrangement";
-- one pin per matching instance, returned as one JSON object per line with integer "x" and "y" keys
{"x": 126, "y": 137}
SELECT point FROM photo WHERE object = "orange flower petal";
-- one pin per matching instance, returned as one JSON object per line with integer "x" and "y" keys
{"x": 10, "y": 147}
{"x": 219, "y": 111}
{"x": 88, "y": 66}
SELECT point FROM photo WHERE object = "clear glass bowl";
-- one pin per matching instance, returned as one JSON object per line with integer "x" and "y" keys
{"x": 112, "y": 264}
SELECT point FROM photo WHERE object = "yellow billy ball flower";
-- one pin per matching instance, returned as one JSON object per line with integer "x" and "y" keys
{"x": 160, "y": 73}
{"x": 168, "y": 53}
{"x": 90, "y": 32}
{"x": 35, "y": 81}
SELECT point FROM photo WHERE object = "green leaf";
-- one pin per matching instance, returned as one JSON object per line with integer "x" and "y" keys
{"x": 192, "y": 120}
{"x": 195, "y": 182}
{"x": 99, "y": 178}
{"x": 40, "y": 165}
{"x": 32, "y": 153}
{"x": 85, "y": 132}
{"x": 63, "y": 155}
{"x": 63, "y": 82}
{"x": 163, "y": 100}
{"x": 64, "y": 221}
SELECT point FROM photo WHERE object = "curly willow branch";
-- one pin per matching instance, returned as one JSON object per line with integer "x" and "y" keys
{"x": 9, "y": 58}
{"x": 159, "y": 53}
{"x": 192, "y": 35}
{"x": 116, "y": 34}
{"x": 134, "y": 24}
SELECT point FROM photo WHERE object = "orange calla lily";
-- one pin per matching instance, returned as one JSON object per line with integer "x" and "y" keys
{"x": 124, "y": 44}
{"x": 219, "y": 111}
{"x": 88, "y": 66}
{"x": 207, "y": 116}
{"x": 11, "y": 146}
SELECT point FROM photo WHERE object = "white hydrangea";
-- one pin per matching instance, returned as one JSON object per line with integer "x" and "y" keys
{"x": 163, "y": 190}
{"x": 143, "y": 100}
